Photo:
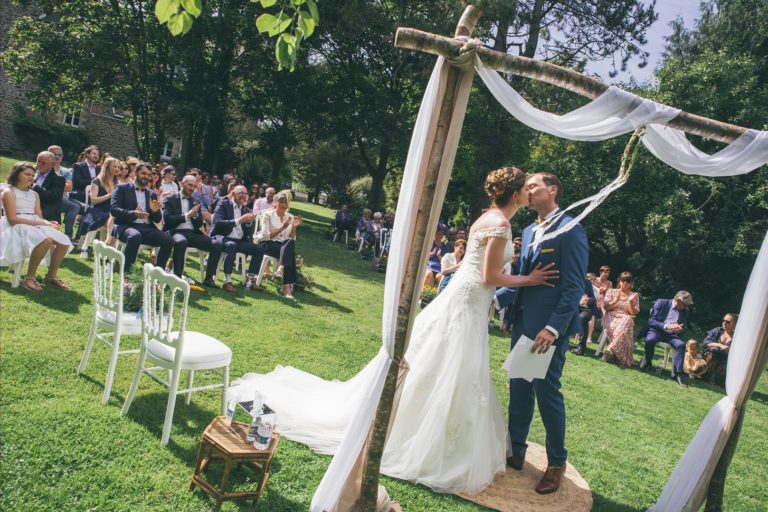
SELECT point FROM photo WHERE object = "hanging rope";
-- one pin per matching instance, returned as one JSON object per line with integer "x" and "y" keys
{"x": 629, "y": 155}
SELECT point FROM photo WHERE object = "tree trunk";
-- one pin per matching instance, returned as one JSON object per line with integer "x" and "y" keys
{"x": 717, "y": 483}
{"x": 375, "y": 198}
{"x": 535, "y": 27}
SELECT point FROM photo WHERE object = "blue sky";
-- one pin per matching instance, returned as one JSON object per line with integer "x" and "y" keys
{"x": 668, "y": 10}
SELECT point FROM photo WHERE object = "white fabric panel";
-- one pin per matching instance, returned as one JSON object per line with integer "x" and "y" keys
{"x": 743, "y": 155}
{"x": 686, "y": 488}
{"x": 346, "y": 459}
{"x": 613, "y": 113}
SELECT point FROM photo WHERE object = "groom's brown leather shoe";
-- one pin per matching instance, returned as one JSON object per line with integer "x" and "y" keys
{"x": 550, "y": 482}
{"x": 515, "y": 462}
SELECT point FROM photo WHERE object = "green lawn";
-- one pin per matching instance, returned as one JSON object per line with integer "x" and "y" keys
{"x": 62, "y": 450}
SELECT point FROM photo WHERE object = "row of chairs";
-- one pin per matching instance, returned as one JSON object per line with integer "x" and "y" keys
{"x": 165, "y": 344}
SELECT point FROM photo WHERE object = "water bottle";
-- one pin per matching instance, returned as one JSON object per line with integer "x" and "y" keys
{"x": 231, "y": 404}
{"x": 264, "y": 425}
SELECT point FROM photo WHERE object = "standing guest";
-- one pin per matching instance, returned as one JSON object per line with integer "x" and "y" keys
{"x": 233, "y": 224}
{"x": 49, "y": 187}
{"x": 667, "y": 322}
{"x": 451, "y": 262}
{"x": 24, "y": 233}
{"x": 342, "y": 222}
{"x": 264, "y": 203}
{"x": 603, "y": 284}
{"x": 136, "y": 209}
{"x": 439, "y": 248}
{"x": 717, "y": 344}
{"x": 183, "y": 218}
{"x": 169, "y": 185}
{"x": 621, "y": 306}
{"x": 84, "y": 172}
{"x": 71, "y": 208}
{"x": 102, "y": 187}
{"x": 588, "y": 310}
{"x": 278, "y": 235}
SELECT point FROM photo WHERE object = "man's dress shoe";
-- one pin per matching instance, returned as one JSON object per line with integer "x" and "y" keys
{"x": 579, "y": 351}
{"x": 515, "y": 462}
{"x": 550, "y": 482}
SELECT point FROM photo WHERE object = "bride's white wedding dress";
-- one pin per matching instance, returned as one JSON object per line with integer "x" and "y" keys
{"x": 449, "y": 432}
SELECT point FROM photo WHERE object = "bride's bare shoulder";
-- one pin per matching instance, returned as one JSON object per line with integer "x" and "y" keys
{"x": 489, "y": 220}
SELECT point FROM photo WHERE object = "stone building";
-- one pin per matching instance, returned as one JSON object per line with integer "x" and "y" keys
{"x": 108, "y": 127}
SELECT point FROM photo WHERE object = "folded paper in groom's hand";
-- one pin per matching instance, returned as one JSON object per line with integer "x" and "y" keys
{"x": 521, "y": 363}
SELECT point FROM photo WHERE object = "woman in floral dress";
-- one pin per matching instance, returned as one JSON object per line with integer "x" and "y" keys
{"x": 621, "y": 305}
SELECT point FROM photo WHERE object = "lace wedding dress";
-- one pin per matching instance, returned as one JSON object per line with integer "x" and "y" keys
{"x": 449, "y": 432}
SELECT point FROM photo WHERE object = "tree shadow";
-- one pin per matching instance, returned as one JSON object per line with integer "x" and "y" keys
{"x": 310, "y": 299}
{"x": 759, "y": 397}
{"x": 51, "y": 297}
{"x": 602, "y": 503}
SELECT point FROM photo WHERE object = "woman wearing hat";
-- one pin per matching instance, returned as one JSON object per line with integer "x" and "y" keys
{"x": 278, "y": 238}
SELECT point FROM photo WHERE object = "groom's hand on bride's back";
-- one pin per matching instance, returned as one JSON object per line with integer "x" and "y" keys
{"x": 542, "y": 275}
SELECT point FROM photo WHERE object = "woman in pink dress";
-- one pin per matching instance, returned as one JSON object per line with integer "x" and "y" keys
{"x": 621, "y": 305}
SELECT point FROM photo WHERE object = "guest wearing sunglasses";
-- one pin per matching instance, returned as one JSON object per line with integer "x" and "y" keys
{"x": 717, "y": 344}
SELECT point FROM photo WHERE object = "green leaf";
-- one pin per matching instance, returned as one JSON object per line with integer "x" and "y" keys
{"x": 176, "y": 24}
{"x": 193, "y": 7}
{"x": 265, "y": 22}
{"x": 290, "y": 40}
{"x": 187, "y": 22}
{"x": 268, "y": 3}
{"x": 282, "y": 54}
{"x": 164, "y": 9}
{"x": 306, "y": 22}
{"x": 313, "y": 11}
{"x": 282, "y": 22}
{"x": 298, "y": 2}
{"x": 299, "y": 36}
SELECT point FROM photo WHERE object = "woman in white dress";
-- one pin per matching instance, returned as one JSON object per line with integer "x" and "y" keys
{"x": 449, "y": 432}
{"x": 25, "y": 234}
{"x": 278, "y": 239}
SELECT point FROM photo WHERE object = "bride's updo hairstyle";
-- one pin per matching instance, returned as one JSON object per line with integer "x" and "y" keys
{"x": 502, "y": 183}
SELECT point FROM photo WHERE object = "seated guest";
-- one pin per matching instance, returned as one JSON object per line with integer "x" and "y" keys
{"x": 253, "y": 196}
{"x": 621, "y": 306}
{"x": 695, "y": 365}
{"x": 667, "y": 323}
{"x": 717, "y": 344}
{"x": 439, "y": 248}
{"x": 373, "y": 232}
{"x": 102, "y": 187}
{"x": 451, "y": 262}
{"x": 264, "y": 203}
{"x": 169, "y": 185}
{"x": 49, "y": 187}
{"x": 24, "y": 233}
{"x": 136, "y": 210}
{"x": 587, "y": 311}
{"x": 203, "y": 194}
{"x": 233, "y": 225}
{"x": 278, "y": 235}
{"x": 603, "y": 284}
{"x": 342, "y": 222}
{"x": 84, "y": 172}
{"x": 71, "y": 208}
{"x": 362, "y": 225}
{"x": 183, "y": 218}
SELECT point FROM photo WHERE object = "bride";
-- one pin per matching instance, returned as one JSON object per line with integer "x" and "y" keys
{"x": 449, "y": 432}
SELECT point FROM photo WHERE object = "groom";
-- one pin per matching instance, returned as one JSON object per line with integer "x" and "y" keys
{"x": 549, "y": 316}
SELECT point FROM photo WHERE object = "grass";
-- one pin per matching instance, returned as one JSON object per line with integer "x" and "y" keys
{"x": 62, "y": 450}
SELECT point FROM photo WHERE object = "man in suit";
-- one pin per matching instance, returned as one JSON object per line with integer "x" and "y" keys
{"x": 69, "y": 207}
{"x": 183, "y": 218}
{"x": 83, "y": 173}
{"x": 49, "y": 186}
{"x": 549, "y": 316}
{"x": 136, "y": 210}
{"x": 234, "y": 224}
{"x": 587, "y": 310}
{"x": 666, "y": 323}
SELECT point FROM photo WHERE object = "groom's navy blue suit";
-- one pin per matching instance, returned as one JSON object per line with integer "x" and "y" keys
{"x": 533, "y": 309}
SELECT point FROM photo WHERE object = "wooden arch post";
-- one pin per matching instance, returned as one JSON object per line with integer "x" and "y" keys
{"x": 411, "y": 282}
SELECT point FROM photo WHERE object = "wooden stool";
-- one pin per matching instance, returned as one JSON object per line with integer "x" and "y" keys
{"x": 226, "y": 443}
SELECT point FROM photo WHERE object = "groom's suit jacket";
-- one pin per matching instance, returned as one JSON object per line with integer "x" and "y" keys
{"x": 536, "y": 307}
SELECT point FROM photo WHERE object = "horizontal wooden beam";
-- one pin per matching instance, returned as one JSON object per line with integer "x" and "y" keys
{"x": 572, "y": 80}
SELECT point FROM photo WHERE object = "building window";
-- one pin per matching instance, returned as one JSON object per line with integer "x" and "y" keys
{"x": 168, "y": 149}
{"x": 72, "y": 119}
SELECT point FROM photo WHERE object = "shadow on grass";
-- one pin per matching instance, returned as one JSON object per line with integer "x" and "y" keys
{"x": 51, "y": 297}
{"x": 759, "y": 397}
{"x": 77, "y": 265}
{"x": 601, "y": 503}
